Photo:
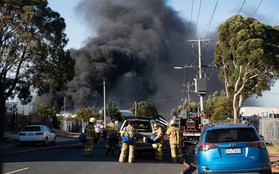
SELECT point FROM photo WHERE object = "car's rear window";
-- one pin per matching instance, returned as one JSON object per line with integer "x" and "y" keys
{"x": 231, "y": 135}
{"x": 144, "y": 126}
{"x": 31, "y": 128}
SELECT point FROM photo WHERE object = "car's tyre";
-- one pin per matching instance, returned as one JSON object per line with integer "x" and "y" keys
{"x": 46, "y": 141}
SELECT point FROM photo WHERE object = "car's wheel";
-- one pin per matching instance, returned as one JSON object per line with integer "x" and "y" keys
{"x": 46, "y": 141}
{"x": 54, "y": 141}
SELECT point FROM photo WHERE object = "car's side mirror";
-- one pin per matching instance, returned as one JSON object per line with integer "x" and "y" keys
{"x": 262, "y": 137}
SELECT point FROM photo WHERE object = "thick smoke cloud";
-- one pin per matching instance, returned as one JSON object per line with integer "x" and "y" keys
{"x": 137, "y": 43}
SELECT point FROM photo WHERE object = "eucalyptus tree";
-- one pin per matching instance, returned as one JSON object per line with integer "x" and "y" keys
{"x": 32, "y": 55}
{"x": 247, "y": 53}
{"x": 144, "y": 109}
{"x": 112, "y": 110}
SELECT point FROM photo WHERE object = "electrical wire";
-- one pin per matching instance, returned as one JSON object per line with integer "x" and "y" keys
{"x": 190, "y": 52}
{"x": 154, "y": 98}
{"x": 257, "y": 8}
{"x": 241, "y": 6}
{"x": 211, "y": 18}
{"x": 198, "y": 18}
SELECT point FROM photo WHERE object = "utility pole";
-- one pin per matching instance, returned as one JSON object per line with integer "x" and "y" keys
{"x": 105, "y": 117}
{"x": 64, "y": 105}
{"x": 188, "y": 85}
{"x": 200, "y": 81}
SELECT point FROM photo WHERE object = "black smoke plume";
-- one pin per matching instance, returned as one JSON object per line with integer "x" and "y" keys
{"x": 136, "y": 46}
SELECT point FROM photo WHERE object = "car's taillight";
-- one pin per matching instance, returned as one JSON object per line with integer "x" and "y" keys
{"x": 205, "y": 147}
{"x": 258, "y": 144}
{"x": 22, "y": 134}
{"x": 39, "y": 133}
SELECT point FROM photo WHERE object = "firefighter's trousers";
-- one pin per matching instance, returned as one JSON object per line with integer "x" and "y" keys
{"x": 159, "y": 151}
{"x": 124, "y": 149}
{"x": 176, "y": 153}
{"x": 111, "y": 145}
{"x": 88, "y": 146}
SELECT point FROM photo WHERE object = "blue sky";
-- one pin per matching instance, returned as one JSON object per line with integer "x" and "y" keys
{"x": 267, "y": 13}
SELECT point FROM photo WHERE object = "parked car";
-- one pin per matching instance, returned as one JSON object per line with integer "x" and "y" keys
{"x": 231, "y": 148}
{"x": 144, "y": 127}
{"x": 37, "y": 134}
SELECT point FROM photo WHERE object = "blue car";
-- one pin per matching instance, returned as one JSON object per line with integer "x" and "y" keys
{"x": 231, "y": 148}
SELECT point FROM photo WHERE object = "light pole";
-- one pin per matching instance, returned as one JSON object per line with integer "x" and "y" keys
{"x": 105, "y": 116}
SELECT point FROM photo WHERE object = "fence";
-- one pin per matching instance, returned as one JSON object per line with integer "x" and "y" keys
{"x": 269, "y": 128}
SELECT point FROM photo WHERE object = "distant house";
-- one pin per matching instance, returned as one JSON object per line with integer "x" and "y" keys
{"x": 267, "y": 112}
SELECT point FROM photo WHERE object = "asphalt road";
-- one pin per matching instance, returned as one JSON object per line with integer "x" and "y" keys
{"x": 68, "y": 158}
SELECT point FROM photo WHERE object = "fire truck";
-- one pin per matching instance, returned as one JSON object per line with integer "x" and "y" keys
{"x": 193, "y": 124}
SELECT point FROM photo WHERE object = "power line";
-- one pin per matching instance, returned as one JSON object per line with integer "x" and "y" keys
{"x": 257, "y": 8}
{"x": 198, "y": 18}
{"x": 241, "y": 6}
{"x": 192, "y": 11}
{"x": 211, "y": 18}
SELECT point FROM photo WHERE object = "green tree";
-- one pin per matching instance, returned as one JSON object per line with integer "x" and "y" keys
{"x": 86, "y": 113}
{"x": 247, "y": 53}
{"x": 32, "y": 52}
{"x": 49, "y": 113}
{"x": 112, "y": 111}
{"x": 144, "y": 109}
{"x": 222, "y": 109}
{"x": 194, "y": 107}
{"x": 212, "y": 100}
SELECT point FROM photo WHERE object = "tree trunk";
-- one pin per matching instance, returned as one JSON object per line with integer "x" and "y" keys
{"x": 2, "y": 118}
{"x": 235, "y": 108}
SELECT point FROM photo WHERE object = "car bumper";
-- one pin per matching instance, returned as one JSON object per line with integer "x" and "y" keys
{"x": 247, "y": 168}
{"x": 31, "y": 139}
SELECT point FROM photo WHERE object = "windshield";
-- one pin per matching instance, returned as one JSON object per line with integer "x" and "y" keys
{"x": 141, "y": 125}
{"x": 31, "y": 128}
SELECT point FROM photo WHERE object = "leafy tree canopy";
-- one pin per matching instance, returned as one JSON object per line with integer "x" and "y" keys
{"x": 112, "y": 111}
{"x": 32, "y": 55}
{"x": 87, "y": 113}
{"x": 144, "y": 109}
{"x": 247, "y": 53}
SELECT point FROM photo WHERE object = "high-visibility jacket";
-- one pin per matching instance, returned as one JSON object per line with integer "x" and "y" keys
{"x": 111, "y": 129}
{"x": 175, "y": 135}
{"x": 90, "y": 132}
{"x": 159, "y": 134}
{"x": 129, "y": 131}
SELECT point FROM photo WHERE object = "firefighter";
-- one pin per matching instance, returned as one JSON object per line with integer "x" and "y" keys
{"x": 175, "y": 138}
{"x": 90, "y": 136}
{"x": 130, "y": 132}
{"x": 158, "y": 142}
{"x": 111, "y": 137}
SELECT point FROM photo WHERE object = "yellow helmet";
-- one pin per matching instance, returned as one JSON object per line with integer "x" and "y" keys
{"x": 92, "y": 120}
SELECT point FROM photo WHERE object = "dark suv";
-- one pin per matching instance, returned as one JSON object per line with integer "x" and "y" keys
{"x": 231, "y": 148}
{"x": 144, "y": 128}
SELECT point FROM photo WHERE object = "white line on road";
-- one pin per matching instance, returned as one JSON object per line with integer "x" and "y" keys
{"x": 15, "y": 171}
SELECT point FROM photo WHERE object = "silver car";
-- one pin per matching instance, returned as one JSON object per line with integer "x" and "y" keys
{"x": 37, "y": 133}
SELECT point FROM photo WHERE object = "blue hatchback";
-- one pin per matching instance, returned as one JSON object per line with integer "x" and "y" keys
{"x": 231, "y": 148}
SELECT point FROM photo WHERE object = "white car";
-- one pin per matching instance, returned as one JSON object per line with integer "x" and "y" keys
{"x": 37, "y": 133}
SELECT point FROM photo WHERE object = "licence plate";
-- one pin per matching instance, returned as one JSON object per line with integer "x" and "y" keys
{"x": 233, "y": 151}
